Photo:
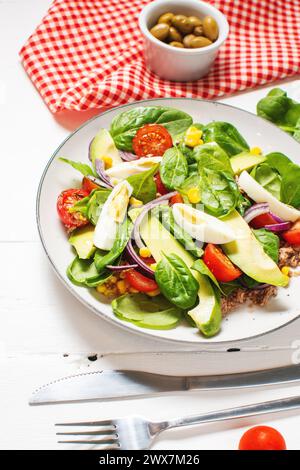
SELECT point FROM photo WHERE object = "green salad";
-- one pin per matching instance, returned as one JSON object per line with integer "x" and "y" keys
{"x": 173, "y": 218}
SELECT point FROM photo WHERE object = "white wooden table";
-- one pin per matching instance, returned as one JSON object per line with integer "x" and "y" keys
{"x": 45, "y": 333}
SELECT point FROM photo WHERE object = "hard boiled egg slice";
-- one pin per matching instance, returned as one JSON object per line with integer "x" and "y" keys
{"x": 112, "y": 215}
{"x": 121, "y": 171}
{"x": 259, "y": 194}
{"x": 202, "y": 226}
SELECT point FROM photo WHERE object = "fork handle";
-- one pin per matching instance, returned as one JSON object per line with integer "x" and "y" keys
{"x": 273, "y": 406}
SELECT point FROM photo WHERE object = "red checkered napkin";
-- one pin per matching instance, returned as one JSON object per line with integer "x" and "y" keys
{"x": 88, "y": 53}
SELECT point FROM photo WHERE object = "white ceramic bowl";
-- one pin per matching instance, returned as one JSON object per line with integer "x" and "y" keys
{"x": 172, "y": 63}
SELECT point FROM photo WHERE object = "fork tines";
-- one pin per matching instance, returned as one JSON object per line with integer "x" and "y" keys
{"x": 106, "y": 429}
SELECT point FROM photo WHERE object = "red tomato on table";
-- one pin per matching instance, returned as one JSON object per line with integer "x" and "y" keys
{"x": 221, "y": 266}
{"x": 151, "y": 139}
{"x": 262, "y": 438}
{"x": 65, "y": 202}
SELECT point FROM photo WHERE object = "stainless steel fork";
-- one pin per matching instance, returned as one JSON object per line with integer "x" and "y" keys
{"x": 138, "y": 433}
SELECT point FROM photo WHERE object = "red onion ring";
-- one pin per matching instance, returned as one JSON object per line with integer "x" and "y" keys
{"x": 278, "y": 219}
{"x": 256, "y": 210}
{"x": 98, "y": 182}
{"x": 280, "y": 227}
{"x": 128, "y": 156}
{"x": 99, "y": 167}
{"x": 135, "y": 259}
{"x": 121, "y": 267}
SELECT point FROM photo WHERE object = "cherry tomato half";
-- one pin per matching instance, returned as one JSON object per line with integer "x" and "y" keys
{"x": 262, "y": 438}
{"x": 177, "y": 199}
{"x": 292, "y": 236}
{"x": 261, "y": 220}
{"x": 221, "y": 266}
{"x": 65, "y": 201}
{"x": 151, "y": 139}
{"x": 88, "y": 185}
{"x": 140, "y": 282}
{"x": 160, "y": 187}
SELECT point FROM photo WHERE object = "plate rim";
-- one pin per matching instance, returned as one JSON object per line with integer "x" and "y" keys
{"x": 148, "y": 333}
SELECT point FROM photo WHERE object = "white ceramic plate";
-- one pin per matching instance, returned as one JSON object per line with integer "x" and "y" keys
{"x": 245, "y": 323}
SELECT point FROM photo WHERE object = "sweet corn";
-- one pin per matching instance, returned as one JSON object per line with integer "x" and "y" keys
{"x": 145, "y": 252}
{"x": 132, "y": 290}
{"x": 113, "y": 279}
{"x": 153, "y": 293}
{"x": 256, "y": 151}
{"x": 121, "y": 285}
{"x": 135, "y": 202}
{"x": 107, "y": 162}
{"x": 285, "y": 270}
{"x": 153, "y": 266}
{"x": 194, "y": 195}
{"x": 101, "y": 289}
{"x": 193, "y": 137}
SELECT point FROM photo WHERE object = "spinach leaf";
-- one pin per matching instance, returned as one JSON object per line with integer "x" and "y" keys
{"x": 102, "y": 259}
{"x": 144, "y": 187}
{"x": 125, "y": 125}
{"x": 83, "y": 272}
{"x": 201, "y": 267}
{"x": 226, "y": 136}
{"x": 278, "y": 161}
{"x": 243, "y": 204}
{"x": 176, "y": 281}
{"x": 219, "y": 192}
{"x": 165, "y": 216}
{"x": 192, "y": 169}
{"x": 212, "y": 156}
{"x": 269, "y": 241}
{"x": 146, "y": 312}
{"x": 268, "y": 179}
{"x": 228, "y": 288}
{"x": 290, "y": 188}
{"x": 173, "y": 168}
{"x": 95, "y": 204}
{"x": 187, "y": 152}
{"x": 82, "y": 167}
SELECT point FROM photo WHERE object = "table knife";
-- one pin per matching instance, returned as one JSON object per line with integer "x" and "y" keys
{"x": 119, "y": 384}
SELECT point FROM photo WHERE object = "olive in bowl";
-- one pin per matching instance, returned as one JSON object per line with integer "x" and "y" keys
{"x": 182, "y": 40}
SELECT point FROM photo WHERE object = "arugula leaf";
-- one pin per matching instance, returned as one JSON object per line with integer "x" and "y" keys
{"x": 226, "y": 136}
{"x": 212, "y": 156}
{"x": 143, "y": 184}
{"x": 82, "y": 167}
{"x": 176, "y": 281}
{"x": 173, "y": 168}
{"x": 269, "y": 241}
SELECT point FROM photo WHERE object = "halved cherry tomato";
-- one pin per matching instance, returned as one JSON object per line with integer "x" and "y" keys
{"x": 261, "y": 220}
{"x": 262, "y": 438}
{"x": 177, "y": 199}
{"x": 151, "y": 139}
{"x": 160, "y": 187}
{"x": 149, "y": 260}
{"x": 65, "y": 201}
{"x": 140, "y": 282}
{"x": 292, "y": 236}
{"x": 221, "y": 266}
{"x": 88, "y": 185}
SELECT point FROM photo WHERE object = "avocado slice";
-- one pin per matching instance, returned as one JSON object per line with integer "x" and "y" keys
{"x": 207, "y": 314}
{"x": 103, "y": 145}
{"x": 248, "y": 254}
{"x": 245, "y": 161}
{"x": 82, "y": 240}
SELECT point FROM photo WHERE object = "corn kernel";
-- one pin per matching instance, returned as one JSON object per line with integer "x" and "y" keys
{"x": 153, "y": 266}
{"x": 193, "y": 137}
{"x": 113, "y": 279}
{"x": 256, "y": 151}
{"x": 121, "y": 287}
{"x": 107, "y": 162}
{"x": 153, "y": 293}
{"x": 132, "y": 290}
{"x": 285, "y": 270}
{"x": 101, "y": 288}
{"x": 145, "y": 252}
{"x": 135, "y": 202}
{"x": 194, "y": 195}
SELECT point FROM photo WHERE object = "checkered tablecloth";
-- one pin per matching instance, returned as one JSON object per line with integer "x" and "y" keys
{"x": 89, "y": 53}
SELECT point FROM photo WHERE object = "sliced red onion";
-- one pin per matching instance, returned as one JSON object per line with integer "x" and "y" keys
{"x": 98, "y": 182}
{"x": 128, "y": 156}
{"x": 280, "y": 227}
{"x": 278, "y": 219}
{"x": 99, "y": 167}
{"x": 121, "y": 267}
{"x": 147, "y": 208}
{"x": 256, "y": 210}
{"x": 135, "y": 259}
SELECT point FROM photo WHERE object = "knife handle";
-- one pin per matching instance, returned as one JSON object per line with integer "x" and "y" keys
{"x": 273, "y": 406}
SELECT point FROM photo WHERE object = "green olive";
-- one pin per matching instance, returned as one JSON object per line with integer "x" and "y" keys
{"x": 183, "y": 24}
{"x": 198, "y": 31}
{"x": 210, "y": 28}
{"x": 199, "y": 41}
{"x": 176, "y": 44}
{"x": 160, "y": 31}
{"x": 174, "y": 35}
{"x": 195, "y": 20}
{"x": 166, "y": 18}
{"x": 187, "y": 40}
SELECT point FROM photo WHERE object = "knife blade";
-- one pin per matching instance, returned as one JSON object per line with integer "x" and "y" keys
{"x": 118, "y": 384}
